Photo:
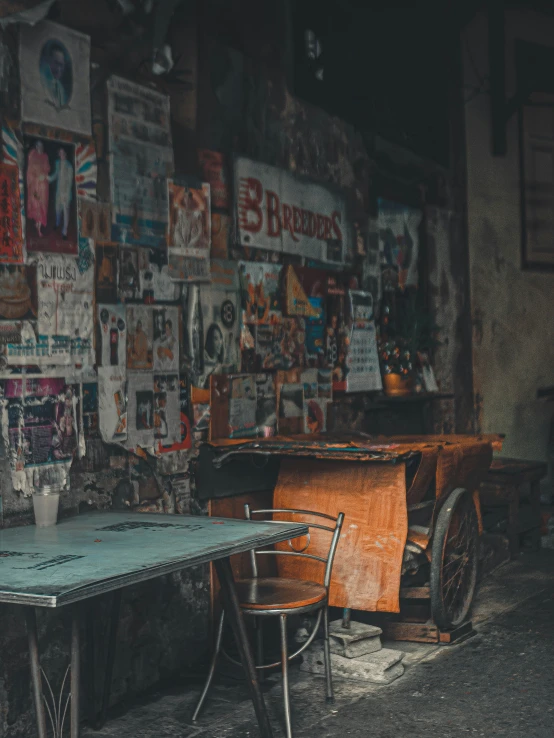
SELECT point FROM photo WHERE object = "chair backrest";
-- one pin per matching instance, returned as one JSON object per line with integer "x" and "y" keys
{"x": 334, "y": 530}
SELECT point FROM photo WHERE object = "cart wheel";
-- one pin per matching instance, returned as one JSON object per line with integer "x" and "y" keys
{"x": 454, "y": 560}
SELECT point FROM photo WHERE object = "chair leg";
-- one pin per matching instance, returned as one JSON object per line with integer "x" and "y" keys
{"x": 327, "y": 656}
{"x": 211, "y": 672}
{"x": 285, "y": 666}
{"x": 260, "y": 647}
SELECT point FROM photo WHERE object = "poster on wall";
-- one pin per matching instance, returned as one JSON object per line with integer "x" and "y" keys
{"x": 140, "y": 411}
{"x": 278, "y": 211}
{"x": 106, "y": 274}
{"x": 214, "y": 324}
{"x": 11, "y": 233}
{"x": 95, "y": 220}
{"x": 398, "y": 243}
{"x": 65, "y": 309}
{"x": 261, "y": 290}
{"x": 111, "y": 335}
{"x": 221, "y": 227}
{"x": 112, "y": 403}
{"x": 54, "y": 64}
{"x": 213, "y": 167}
{"x": 166, "y": 327}
{"x": 140, "y": 338}
{"x": 141, "y": 160}
{"x": 41, "y": 430}
{"x": 189, "y": 232}
{"x": 50, "y": 197}
{"x": 167, "y": 409}
{"x": 185, "y": 439}
{"x": 362, "y": 361}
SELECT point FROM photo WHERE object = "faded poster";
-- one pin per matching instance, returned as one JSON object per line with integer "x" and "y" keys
{"x": 166, "y": 326}
{"x": 261, "y": 289}
{"x": 65, "y": 315}
{"x": 55, "y": 77}
{"x": 112, "y": 404}
{"x": 185, "y": 439}
{"x": 50, "y": 196}
{"x": 167, "y": 412}
{"x": 11, "y": 234}
{"x": 106, "y": 274}
{"x": 242, "y": 406}
{"x": 399, "y": 243}
{"x": 189, "y": 234}
{"x": 41, "y": 424}
{"x": 140, "y": 415}
{"x": 141, "y": 160}
{"x": 111, "y": 335}
{"x": 362, "y": 362}
{"x": 213, "y": 167}
{"x": 140, "y": 336}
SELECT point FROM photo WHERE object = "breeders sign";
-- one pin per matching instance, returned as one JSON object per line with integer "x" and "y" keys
{"x": 279, "y": 212}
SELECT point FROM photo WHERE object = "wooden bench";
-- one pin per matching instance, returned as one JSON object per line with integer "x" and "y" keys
{"x": 505, "y": 485}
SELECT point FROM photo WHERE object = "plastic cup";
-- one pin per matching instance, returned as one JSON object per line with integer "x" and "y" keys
{"x": 46, "y": 501}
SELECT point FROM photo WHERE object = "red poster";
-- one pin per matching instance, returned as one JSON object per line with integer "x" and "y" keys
{"x": 11, "y": 236}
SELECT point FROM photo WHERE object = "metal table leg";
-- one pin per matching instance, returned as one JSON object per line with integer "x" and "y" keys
{"x": 56, "y": 707}
{"x": 232, "y": 610}
{"x": 98, "y": 718}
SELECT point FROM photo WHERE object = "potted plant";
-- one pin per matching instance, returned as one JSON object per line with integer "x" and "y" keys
{"x": 414, "y": 331}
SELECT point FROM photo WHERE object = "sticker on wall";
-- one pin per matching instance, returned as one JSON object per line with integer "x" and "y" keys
{"x": 55, "y": 76}
{"x": 112, "y": 403}
{"x": 50, "y": 198}
{"x": 11, "y": 232}
{"x": 140, "y": 336}
{"x": 111, "y": 335}
{"x": 141, "y": 160}
{"x": 189, "y": 234}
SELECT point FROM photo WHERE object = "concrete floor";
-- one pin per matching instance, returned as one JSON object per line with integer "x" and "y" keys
{"x": 498, "y": 683}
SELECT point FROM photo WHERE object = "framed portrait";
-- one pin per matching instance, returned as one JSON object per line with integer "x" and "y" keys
{"x": 55, "y": 77}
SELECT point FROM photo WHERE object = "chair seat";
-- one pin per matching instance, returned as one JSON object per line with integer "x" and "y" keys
{"x": 276, "y": 593}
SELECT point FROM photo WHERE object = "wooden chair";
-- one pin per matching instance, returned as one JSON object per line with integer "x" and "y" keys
{"x": 280, "y": 597}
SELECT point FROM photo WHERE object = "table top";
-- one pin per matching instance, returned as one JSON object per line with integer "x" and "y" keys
{"x": 100, "y": 552}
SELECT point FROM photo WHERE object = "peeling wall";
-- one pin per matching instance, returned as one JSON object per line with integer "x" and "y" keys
{"x": 513, "y": 330}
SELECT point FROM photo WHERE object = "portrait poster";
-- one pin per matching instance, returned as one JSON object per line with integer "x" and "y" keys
{"x": 11, "y": 233}
{"x": 141, "y": 160}
{"x": 40, "y": 425}
{"x": 213, "y": 167}
{"x": 213, "y": 325}
{"x": 112, "y": 403}
{"x": 167, "y": 415}
{"x": 185, "y": 439}
{"x": 363, "y": 373}
{"x": 66, "y": 309}
{"x": 50, "y": 196}
{"x": 55, "y": 77}
{"x": 154, "y": 280}
{"x": 106, "y": 274}
{"x": 189, "y": 232}
{"x": 111, "y": 335}
{"x": 167, "y": 328}
{"x": 140, "y": 338}
{"x": 261, "y": 293}
{"x": 129, "y": 274}
{"x": 140, "y": 411}
{"x": 398, "y": 243}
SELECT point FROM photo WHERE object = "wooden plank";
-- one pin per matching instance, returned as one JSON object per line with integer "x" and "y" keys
{"x": 414, "y": 593}
{"x": 418, "y": 632}
{"x": 461, "y": 633}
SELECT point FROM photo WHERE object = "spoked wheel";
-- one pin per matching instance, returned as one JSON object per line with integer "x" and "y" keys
{"x": 454, "y": 560}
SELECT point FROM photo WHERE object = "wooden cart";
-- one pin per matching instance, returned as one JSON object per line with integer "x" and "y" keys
{"x": 410, "y": 541}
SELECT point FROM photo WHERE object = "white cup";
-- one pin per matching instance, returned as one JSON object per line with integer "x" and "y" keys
{"x": 46, "y": 501}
